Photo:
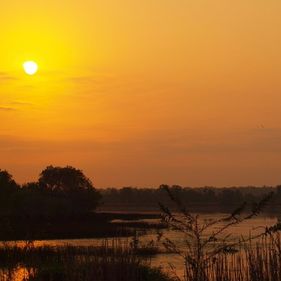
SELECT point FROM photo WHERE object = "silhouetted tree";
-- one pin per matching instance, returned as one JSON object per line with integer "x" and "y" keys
{"x": 8, "y": 192}
{"x": 70, "y": 185}
{"x": 278, "y": 192}
{"x": 31, "y": 186}
{"x": 64, "y": 179}
{"x": 230, "y": 198}
{"x": 7, "y": 183}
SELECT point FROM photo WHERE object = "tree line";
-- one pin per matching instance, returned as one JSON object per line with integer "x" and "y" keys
{"x": 59, "y": 191}
{"x": 66, "y": 191}
{"x": 197, "y": 199}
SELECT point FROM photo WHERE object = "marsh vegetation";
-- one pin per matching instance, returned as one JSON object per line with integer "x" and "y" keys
{"x": 62, "y": 204}
{"x": 113, "y": 261}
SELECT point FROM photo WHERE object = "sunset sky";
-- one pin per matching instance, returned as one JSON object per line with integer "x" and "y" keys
{"x": 140, "y": 93}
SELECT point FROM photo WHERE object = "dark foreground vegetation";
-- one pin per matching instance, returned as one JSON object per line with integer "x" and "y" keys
{"x": 90, "y": 225}
{"x": 109, "y": 262}
{"x": 259, "y": 261}
{"x": 58, "y": 192}
{"x": 209, "y": 250}
{"x": 60, "y": 205}
{"x": 113, "y": 261}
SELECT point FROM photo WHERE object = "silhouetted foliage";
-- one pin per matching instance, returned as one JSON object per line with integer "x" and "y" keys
{"x": 206, "y": 242}
{"x": 73, "y": 191}
{"x": 7, "y": 183}
{"x": 64, "y": 179}
{"x": 112, "y": 261}
{"x": 202, "y": 199}
{"x": 59, "y": 192}
{"x": 8, "y": 190}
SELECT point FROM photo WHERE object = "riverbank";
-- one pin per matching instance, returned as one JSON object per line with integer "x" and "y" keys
{"x": 90, "y": 225}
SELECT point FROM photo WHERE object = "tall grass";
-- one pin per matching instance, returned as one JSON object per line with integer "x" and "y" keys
{"x": 211, "y": 252}
{"x": 113, "y": 261}
{"x": 255, "y": 261}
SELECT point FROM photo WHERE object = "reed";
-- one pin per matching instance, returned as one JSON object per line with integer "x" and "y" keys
{"x": 112, "y": 261}
{"x": 255, "y": 261}
{"x": 210, "y": 252}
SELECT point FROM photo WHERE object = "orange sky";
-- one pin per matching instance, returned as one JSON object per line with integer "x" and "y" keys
{"x": 143, "y": 92}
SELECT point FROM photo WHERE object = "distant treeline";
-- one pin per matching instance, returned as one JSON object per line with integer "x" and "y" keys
{"x": 196, "y": 199}
{"x": 66, "y": 191}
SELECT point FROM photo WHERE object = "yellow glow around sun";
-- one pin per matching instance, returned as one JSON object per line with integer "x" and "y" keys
{"x": 30, "y": 67}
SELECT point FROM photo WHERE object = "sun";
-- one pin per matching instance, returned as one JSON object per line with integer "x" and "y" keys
{"x": 30, "y": 67}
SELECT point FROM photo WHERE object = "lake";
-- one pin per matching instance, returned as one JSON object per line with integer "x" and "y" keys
{"x": 164, "y": 260}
